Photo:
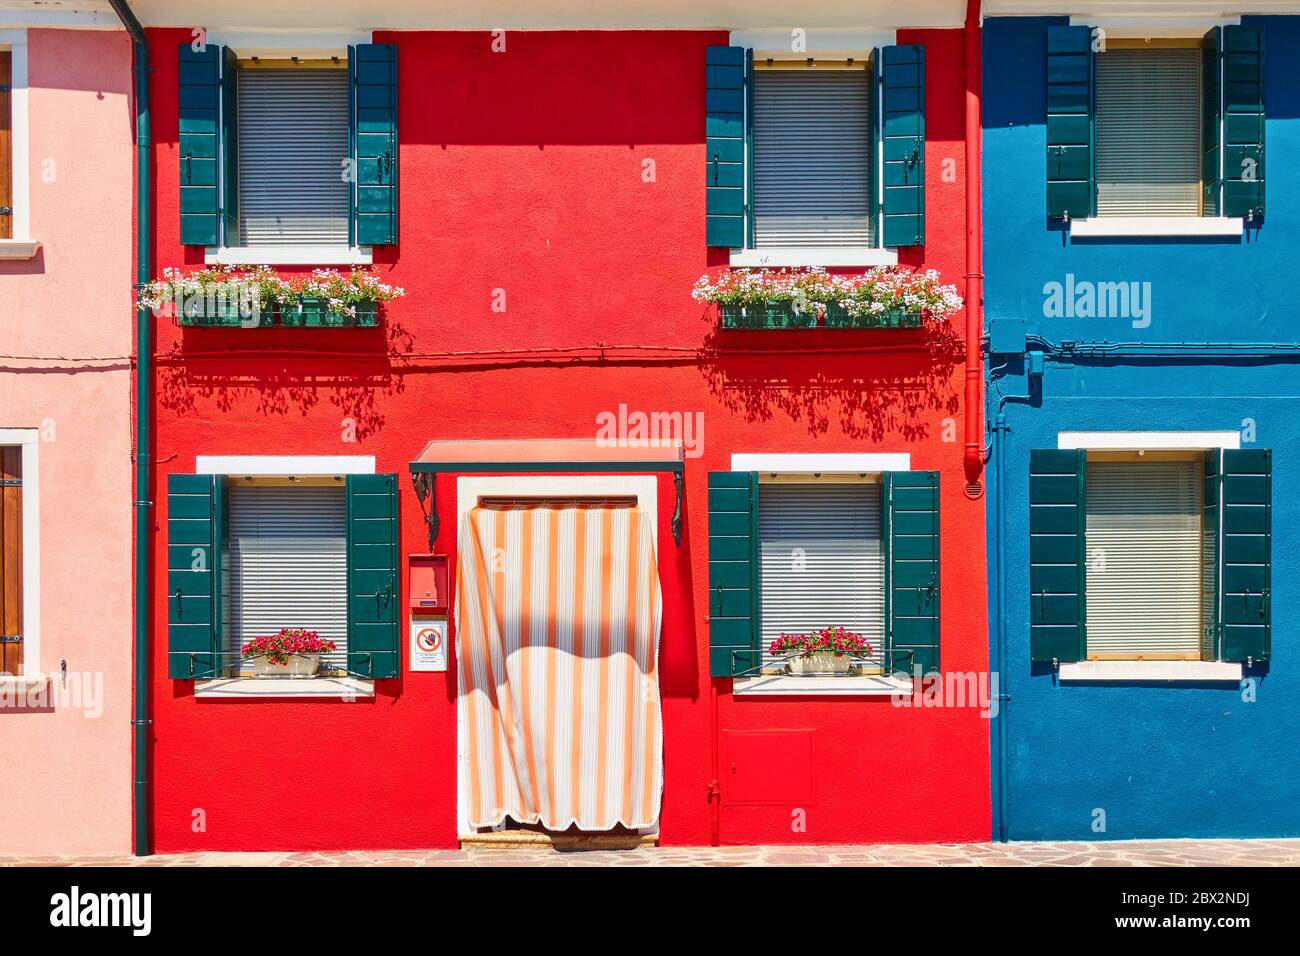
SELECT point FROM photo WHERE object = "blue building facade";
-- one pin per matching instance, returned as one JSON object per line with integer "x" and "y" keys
{"x": 1143, "y": 699}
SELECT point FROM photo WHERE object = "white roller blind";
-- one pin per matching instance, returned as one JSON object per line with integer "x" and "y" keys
{"x": 820, "y": 560}
{"x": 1144, "y": 559}
{"x": 293, "y": 138}
{"x": 1149, "y": 132}
{"x": 812, "y": 162}
{"x": 286, "y": 560}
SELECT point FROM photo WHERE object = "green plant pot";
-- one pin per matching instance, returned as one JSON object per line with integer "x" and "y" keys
{"x": 217, "y": 312}
{"x": 838, "y": 318}
{"x": 767, "y": 315}
{"x": 311, "y": 312}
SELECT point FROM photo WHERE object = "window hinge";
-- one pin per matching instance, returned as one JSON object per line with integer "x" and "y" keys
{"x": 11, "y": 638}
{"x": 6, "y": 210}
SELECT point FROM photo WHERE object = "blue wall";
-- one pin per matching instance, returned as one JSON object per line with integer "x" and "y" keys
{"x": 1180, "y": 761}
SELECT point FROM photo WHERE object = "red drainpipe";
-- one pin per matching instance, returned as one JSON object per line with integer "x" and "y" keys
{"x": 973, "y": 457}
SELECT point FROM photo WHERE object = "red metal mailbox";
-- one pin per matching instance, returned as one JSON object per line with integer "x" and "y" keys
{"x": 428, "y": 584}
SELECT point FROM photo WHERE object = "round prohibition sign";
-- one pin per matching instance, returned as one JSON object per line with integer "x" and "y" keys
{"x": 428, "y": 640}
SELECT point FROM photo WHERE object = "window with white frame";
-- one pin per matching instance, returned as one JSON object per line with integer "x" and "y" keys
{"x": 285, "y": 564}
{"x": 293, "y": 157}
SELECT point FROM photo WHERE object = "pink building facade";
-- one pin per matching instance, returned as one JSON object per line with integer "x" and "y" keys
{"x": 65, "y": 434}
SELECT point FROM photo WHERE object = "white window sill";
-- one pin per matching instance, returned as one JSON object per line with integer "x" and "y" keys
{"x": 1155, "y": 671}
{"x": 242, "y": 688}
{"x": 22, "y": 682}
{"x": 830, "y": 257}
{"x": 779, "y": 685}
{"x": 19, "y": 248}
{"x": 1122, "y": 226}
{"x": 288, "y": 256}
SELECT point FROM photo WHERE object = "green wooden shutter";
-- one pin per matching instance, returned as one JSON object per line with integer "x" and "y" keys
{"x": 1211, "y": 494}
{"x": 902, "y": 124}
{"x": 726, "y": 130}
{"x": 195, "y": 533}
{"x": 910, "y": 504}
{"x": 733, "y": 572}
{"x": 200, "y": 137}
{"x": 1070, "y": 75}
{"x": 372, "y": 76}
{"x": 1057, "y": 555}
{"x": 230, "y": 147}
{"x": 373, "y": 618}
{"x": 1243, "y": 122}
{"x": 1211, "y": 123}
{"x": 1247, "y": 555}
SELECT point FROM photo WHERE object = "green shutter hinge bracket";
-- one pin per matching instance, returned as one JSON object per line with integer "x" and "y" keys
{"x": 679, "y": 483}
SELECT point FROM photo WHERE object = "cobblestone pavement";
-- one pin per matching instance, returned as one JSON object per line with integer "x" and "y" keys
{"x": 1119, "y": 853}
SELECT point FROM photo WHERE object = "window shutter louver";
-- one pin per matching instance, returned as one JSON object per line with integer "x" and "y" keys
{"x": 726, "y": 134}
{"x": 229, "y": 147}
{"x": 733, "y": 572}
{"x": 200, "y": 134}
{"x": 294, "y": 140}
{"x": 911, "y": 512}
{"x": 902, "y": 126}
{"x": 821, "y": 561}
{"x": 286, "y": 551}
{"x": 1245, "y": 604}
{"x": 195, "y": 518}
{"x": 1070, "y": 72}
{"x": 1211, "y": 123}
{"x": 1243, "y": 122}
{"x": 1057, "y": 555}
{"x": 812, "y": 158}
{"x": 373, "y": 618}
{"x": 1145, "y": 559}
{"x": 372, "y": 75}
{"x": 1148, "y": 140}
{"x": 1211, "y": 495}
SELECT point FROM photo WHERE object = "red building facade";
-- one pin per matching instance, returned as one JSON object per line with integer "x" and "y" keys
{"x": 551, "y": 227}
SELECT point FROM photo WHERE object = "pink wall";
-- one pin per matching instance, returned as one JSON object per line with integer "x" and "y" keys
{"x": 67, "y": 768}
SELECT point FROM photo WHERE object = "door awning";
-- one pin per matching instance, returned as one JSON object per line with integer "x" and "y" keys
{"x": 551, "y": 455}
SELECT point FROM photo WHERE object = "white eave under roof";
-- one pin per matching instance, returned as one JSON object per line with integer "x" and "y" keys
{"x": 298, "y": 17}
{"x": 1138, "y": 10}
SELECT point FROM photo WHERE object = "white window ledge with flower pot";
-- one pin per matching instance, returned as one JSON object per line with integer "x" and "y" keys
{"x": 288, "y": 256}
{"x": 788, "y": 685}
{"x": 252, "y": 688}
{"x": 828, "y": 258}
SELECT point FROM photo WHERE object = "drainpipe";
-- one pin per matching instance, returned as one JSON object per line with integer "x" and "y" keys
{"x": 142, "y": 843}
{"x": 973, "y": 456}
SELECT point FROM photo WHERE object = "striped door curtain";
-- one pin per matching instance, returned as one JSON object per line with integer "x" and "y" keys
{"x": 557, "y": 620}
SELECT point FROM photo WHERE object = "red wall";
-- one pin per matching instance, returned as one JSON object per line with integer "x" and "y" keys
{"x": 522, "y": 171}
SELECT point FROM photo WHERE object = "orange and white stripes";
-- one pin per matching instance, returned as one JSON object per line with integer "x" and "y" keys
{"x": 557, "y": 621}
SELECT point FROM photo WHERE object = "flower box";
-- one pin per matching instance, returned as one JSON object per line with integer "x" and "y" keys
{"x": 314, "y": 312}
{"x": 297, "y": 665}
{"x": 837, "y": 317}
{"x": 767, "y": 315}
{"x": 821, "y": 662}
{"x": 830, "y": 651}
{"x": 214, "y": 312}
{"x": 294, "y": 652}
